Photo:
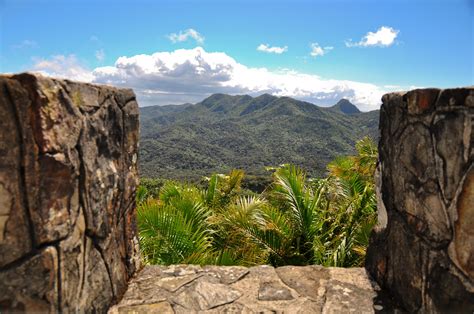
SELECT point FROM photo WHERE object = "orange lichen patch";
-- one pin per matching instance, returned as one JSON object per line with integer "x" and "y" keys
{"x": 420, "y": 100}
{"x": 464, "y": 231}
{"x": 424, "y": 101}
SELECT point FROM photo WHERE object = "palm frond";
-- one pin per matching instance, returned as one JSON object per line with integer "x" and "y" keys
{"x": 169, "y": 236}
{"x": 211, "y": 191}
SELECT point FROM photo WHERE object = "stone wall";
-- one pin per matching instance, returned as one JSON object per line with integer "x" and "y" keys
{"x": 68, "y": 173}
{"x": 422, "y": 250}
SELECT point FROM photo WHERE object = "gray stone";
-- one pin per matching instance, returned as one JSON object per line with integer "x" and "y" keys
{"x": 180, "y": 270}
{"x": 178, "y": 309}
{"x": 340, "y": 298}
{"x": 32, "y": 286}
{"x": 15, "y": 235}
{"x": 421, "y": 252}
{"x": 215, "y": 294}
{"x": 452, "y": 98}
{"x": 452, "y": 149}
{"x": 228, "y": 275}
{"x": 235, "y": 308}
{"x": 205, "y": 295}
{"x": 307, "y": 281}
{"x": 259, "y": 291}
{"x": 67, "y": 185}
{"x": 272, "y": 291}
{"x": 174, "y": 283}
{"x": 307, "y": 307}
{"x": 158, "y": 308}
{"x": 461, "y": 249}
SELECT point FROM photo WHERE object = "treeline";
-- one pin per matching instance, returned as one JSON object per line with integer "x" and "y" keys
{"x": 295, "y": 220}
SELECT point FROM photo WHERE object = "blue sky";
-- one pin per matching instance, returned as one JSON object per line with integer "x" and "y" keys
{"x": 327, "y": 49}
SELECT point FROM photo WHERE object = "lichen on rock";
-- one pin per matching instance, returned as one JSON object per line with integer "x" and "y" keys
{"x": 422, "y": 252}
{"x": 68, "y": 235}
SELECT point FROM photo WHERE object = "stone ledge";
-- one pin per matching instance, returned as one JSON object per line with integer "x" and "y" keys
{"x": 260, "y": 289}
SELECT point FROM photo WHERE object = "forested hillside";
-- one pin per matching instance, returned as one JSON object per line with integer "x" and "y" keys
{"x": 224, "y": 132}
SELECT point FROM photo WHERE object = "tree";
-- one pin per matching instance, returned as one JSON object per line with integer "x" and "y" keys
{"x": 296, "y": 220}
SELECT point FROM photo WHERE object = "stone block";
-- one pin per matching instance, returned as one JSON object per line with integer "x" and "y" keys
{"x": 68, "y": 174}
{"x": 422, "y": 251}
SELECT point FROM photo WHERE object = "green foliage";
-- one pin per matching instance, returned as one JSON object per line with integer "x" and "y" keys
{"x": 296, "y": 220}
{"x": 173, "y": 228}
{"x": 152, "y": 185}
{"x": 226, "y": 132}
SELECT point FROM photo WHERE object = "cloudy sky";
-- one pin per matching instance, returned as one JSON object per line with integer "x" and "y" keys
{"x": 174, "y": 52}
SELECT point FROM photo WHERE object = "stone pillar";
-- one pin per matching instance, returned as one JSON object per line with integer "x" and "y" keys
{"x": 422, "y": 250}
{"x": 68, "y": 174}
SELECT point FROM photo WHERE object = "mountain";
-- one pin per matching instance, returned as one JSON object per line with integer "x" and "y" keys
{"x": 345, "y": 106}
{"x": 224, "y": 132}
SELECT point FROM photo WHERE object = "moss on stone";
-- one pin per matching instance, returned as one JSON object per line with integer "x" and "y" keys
{"x": 77, "y": 99}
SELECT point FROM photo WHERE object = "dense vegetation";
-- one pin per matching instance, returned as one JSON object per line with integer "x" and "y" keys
{"x": 296, "y": 220}
{"x": 224, "y": 132}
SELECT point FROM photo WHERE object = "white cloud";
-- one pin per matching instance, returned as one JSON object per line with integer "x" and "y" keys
{"x": 317, "y": 50}
{"x": 64, "y": 67}
{"x": 190, "y": 75}
{"x": 185, "y": 35}
{"x": 26, "y": 44}
{"x": 414, "y": 87}
{"x": 100, "y": 55}
{"x": 384, "y": 37}
{"x": 268, "y": 49}
{"x": 164, "y": 77}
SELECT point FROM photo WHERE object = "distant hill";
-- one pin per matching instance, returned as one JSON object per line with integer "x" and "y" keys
{"x": 345, "y": 106}
{"x": 224, "y": 132}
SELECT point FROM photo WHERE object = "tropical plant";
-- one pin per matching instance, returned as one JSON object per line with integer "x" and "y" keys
{"x": 173, "y": 229}
{"x": 296, "y": 220}
{"x": 352, "y": 204}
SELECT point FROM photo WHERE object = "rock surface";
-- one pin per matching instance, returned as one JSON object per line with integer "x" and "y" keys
{"x": 68, "y": 174}
{"x": 422, "y": 251}
{"x": 260, "y": 289}
{"x": 68, "y": 240}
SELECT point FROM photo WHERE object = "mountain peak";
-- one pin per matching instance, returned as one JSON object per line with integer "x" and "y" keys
{"x": 215, "y": 97}
{"x": 257, "y": 103}
{"x": 242, "y": 132}
{"x": 222, "y": 102}
{"x": 345, "y": 106}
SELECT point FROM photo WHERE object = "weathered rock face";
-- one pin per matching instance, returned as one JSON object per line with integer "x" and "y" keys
{"x": 422, "y": 251}
{"x": 260, "y": 289}
{"x": 68, "y": 174}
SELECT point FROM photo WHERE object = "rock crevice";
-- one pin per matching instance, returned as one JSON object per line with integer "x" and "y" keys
{"x": 422, "y": 253}
{"x": 67, "y": 185}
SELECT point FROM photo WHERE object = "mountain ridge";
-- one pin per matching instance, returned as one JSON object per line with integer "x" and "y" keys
{"x": 223, "y": 132}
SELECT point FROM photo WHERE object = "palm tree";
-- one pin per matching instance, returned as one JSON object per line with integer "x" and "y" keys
{"x": 283, "y": 228}
{"x": 352, "y": 204}
{"x": 191, "y": 225}
{"x": 323, "y": 221}
{"x": 173, "y": 229}
{"x": 295, "y": 221}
